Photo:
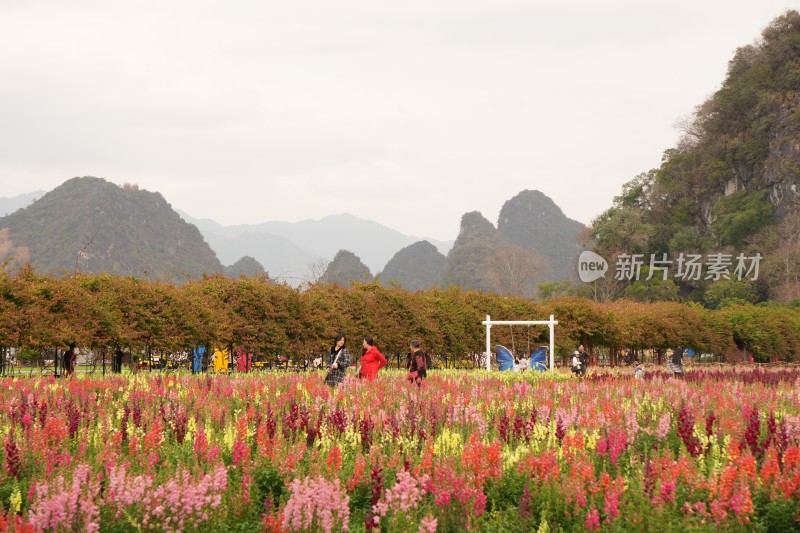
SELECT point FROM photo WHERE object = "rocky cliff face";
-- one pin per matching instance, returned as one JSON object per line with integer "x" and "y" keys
{"x": 483, "y": 258}
{"x": 534, "y": 222}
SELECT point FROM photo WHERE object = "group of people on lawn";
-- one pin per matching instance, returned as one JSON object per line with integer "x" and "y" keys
{"x": 372, "y": 360}
{"x": 580, "y": 362}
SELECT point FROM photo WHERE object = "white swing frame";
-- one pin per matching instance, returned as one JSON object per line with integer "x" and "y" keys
{"x": 489, "y": 323}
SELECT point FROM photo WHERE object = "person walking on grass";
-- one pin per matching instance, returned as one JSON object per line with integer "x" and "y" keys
{"x": 371, "y": 361}
{"x": 584, "y": 357}
{"x": 675, "y": 362}
{"x": 417, "y": 364}
{"x": 337, "y": 361}
{"x": 69, "y": 360}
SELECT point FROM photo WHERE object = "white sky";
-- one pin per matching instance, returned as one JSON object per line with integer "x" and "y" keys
{"x": 409, "y": 113}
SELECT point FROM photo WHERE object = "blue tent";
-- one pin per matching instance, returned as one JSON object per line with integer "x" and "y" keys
{"x": 504, "y": 358}
{"x": 689, "y": 352}
{"x": 539, "y": 359}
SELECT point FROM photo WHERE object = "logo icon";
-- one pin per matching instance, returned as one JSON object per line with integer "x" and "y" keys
{"x": 591, "y": 267}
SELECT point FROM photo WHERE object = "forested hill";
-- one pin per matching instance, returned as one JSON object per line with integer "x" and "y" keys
{"x": 92, "y": 225}
{"x": 732, "y": 183}
{"x": 345, "y": 268}
{"x": 415, "y": 267}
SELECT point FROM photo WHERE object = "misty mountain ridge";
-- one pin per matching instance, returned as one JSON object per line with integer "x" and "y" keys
{"x": 307, "y": 241}
{"x": 10, "y": 205}
{"x": 126, "y": 229}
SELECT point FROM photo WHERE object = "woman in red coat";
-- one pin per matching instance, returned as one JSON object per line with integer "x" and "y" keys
{"x": 371, "y": 361}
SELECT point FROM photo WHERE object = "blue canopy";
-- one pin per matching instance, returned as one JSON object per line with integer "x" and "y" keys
{"x": 689, "y": 352}
{"x": 504, "y": 358}
{"x": 539, "y": 359}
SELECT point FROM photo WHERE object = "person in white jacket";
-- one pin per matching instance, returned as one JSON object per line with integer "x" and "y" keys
{"x": 576, "y": 363}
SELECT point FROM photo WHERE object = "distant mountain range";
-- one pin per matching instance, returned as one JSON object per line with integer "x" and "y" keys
{"x": 286, "y": 249}
{"x": 9, "y": 205}
{"x": 92, "y": 225}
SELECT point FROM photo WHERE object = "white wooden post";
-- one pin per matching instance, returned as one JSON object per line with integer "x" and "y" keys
{"x": 552, "y": 342}
{"x": 488, "y": 343}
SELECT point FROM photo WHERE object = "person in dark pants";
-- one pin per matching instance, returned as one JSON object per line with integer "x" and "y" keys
{"x": 675, "y": 363}
{"x": 69, "y": 360}
{"x": 418, "y": 363}
{"x": 116, "y": 367}
{"x": 583, "y": 355}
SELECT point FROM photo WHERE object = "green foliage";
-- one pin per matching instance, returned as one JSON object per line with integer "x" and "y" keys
{"x": 741, "y": 215}
{"x": 726, "y": 292}
{"x": 553, "y": 289}
{"x": 774, "y": 516}
{"x": 506, "y": 492}
{"x": 634, "y": 192}
{"x": 655, "y": 289}
{"x": 268, "y": 484}
{"x": 769, "y": 333}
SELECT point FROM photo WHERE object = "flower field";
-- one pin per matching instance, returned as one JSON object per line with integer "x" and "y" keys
{"x": 466, "y": 451}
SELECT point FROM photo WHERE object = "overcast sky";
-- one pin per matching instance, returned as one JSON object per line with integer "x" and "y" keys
{"x": 409, "y": 113}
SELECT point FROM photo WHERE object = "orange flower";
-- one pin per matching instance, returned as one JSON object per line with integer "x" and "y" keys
{"x": 427, "y": 460}
{"x": 747, "y": 466}
{"x": 771, "y": 468}
{"x": 485, "y": 461}
{"x": 727, "y": 479}
{"x": 152, "y": 440}
{"x": 734, "y": 450}
{"x": 264, "y": 444}
{"x": 791, "y": 458}
{"x": 334, "y": 460}
{"x": 572, "y": 445}
{"x": 358, "y": 473}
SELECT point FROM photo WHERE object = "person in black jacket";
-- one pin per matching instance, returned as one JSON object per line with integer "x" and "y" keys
{"x": 675, "y": 363}
{"x": 583, "y": 355}
{"x": 417, "y": 363}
